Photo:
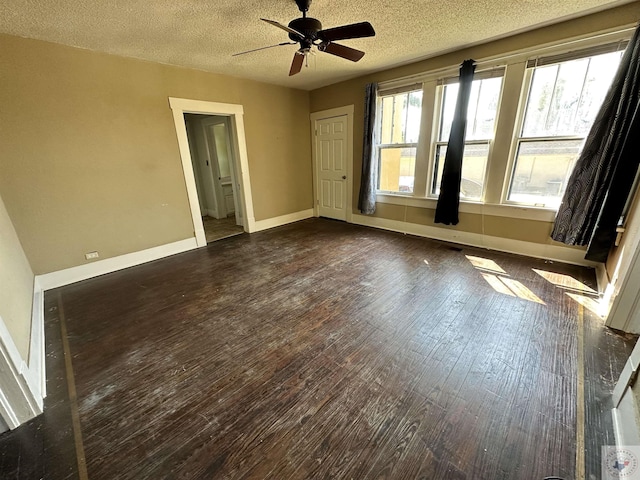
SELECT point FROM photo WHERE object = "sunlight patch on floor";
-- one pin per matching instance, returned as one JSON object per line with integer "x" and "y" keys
{"x": 564, "y": 281}
{"x": 594, "y": 304}
{"x": 521, "y": 291}
{"x": 509, "y": 286}
{"x": 497, "y": 285}
{"x": 500, "y": 282}
{"x": 485, "y": 264}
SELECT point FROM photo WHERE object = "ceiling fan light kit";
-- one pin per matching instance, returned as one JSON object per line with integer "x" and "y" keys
{"x": 308, "y": 33}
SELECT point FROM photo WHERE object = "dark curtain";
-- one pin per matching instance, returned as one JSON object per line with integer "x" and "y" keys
{"x": 369, "y": 176}
{"x": 449, "y": 198}
{"x": 605, "y": 171}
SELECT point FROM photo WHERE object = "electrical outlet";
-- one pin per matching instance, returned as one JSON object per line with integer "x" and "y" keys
{"x": 91, "y": 255}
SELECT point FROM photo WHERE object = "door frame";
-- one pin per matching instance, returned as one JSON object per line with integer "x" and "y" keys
{"x": 179, "y": 107}
{"x": 324, "y": 115}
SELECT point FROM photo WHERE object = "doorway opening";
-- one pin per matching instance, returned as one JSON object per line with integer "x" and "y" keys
{"x": 233, "y": 115}
{"x": 214, "y": 170}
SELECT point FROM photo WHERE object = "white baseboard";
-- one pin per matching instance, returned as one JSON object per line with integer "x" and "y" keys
{"x": 6, "y": 410}
{"x": 537, "y": 250}
{"x": 35, "y": 371}
{"x": 28, "y": 379}
{"x": 602, "y": 277}
{"x": 282, "y": 220}
{"x": 625, "y": 421}
{"x": 108, "y": 265}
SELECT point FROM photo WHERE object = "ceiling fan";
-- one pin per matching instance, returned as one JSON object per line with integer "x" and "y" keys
{"x": 308, "y": 33}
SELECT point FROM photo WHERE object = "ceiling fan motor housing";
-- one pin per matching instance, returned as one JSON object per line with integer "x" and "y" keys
{"x": 307, "y": 26}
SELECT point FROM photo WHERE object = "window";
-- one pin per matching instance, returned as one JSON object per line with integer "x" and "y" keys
{"x": 562, "y": 103}
{"x": 481, "y": 118}
{"x": 398, "y": 132}
{"x": 527, "y": 120}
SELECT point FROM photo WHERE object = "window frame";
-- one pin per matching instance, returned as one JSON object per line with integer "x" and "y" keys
{"x": 378, "y": 146}
{"x": 523, "y": 102}
{"x": 498, "y": 71}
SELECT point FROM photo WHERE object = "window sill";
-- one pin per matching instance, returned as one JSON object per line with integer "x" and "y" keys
{"x": 478, "y": 208}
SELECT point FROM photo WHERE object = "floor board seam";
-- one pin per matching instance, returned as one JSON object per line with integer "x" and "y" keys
{"x": 580, "y": 407}
{"x": 73, "y": 397}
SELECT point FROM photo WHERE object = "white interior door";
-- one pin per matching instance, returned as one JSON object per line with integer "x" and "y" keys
{"x": 331, "y": 167}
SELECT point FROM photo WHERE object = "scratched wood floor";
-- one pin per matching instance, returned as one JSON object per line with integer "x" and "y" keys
{"x": 326, "y": 350}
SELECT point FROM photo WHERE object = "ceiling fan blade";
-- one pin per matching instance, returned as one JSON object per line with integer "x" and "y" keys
{"x": 286, "y": 29}
{"x": 341, "y": 51}
{"x": 264, "y": 48}
{"x": 296, "y": 65}
{"x": 355, "y": 30}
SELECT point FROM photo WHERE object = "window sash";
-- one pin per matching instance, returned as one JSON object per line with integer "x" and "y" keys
{"x": 435, "y": 164}
{"x": 379, "y": 149}
{"x": 380, "y": 113}
{"x": 483, "y": 75}
{"x": 512, "y": 176}
{"x": 390, "y": 92}
{"x": 577, "y": 54}
{"x": 397, "y": 145}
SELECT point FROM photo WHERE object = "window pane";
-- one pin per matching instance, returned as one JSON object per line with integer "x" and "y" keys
{"x": 474, "y": 164}
{"x": 542, "y": 170}
{"x": 397, "y": 169}
{"x": 413, "y": 117}
{"x": 450, "y": 96}
{"x": 599, "y": 77}
{"x": 481, "y": 113}
{"x": 400, "y": 118}
{"x": 564, "y": 98}
{"x": 386, "y": 119}
{"x": 485, "y": 110}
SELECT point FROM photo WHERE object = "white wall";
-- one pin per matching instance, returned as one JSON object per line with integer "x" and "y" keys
{"x": 21, "y": 361}
{"x": 16, "y": 285}
{"x": 623, "y": 268}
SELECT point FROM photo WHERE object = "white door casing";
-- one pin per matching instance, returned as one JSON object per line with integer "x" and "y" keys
{"x": 179, "y": 107}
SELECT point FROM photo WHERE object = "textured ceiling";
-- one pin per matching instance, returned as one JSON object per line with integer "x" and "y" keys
{"x": 203, "y": 34}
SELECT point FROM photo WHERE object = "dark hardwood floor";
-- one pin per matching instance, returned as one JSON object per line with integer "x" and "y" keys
{"x": 326, "y": 350}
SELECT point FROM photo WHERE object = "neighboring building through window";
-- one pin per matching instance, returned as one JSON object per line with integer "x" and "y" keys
{"x": 398, "y": 131}
{"x": 563, "y": 101}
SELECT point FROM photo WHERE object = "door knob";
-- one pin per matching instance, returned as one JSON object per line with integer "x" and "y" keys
{"x": 344, "y": 177}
